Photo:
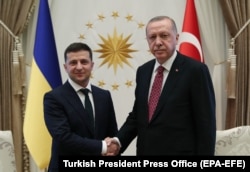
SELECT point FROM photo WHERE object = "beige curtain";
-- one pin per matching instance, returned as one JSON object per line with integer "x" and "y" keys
{"x": 14, "y": 16}
{"x": 236, "y": 13}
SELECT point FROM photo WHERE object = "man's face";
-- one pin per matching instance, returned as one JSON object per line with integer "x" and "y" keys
{"x": 79, "y": 67}
{"x": 162, "y": 39}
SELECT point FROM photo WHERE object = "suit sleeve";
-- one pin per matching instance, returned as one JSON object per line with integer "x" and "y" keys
{"x": 203, "y": 105}
{"x": 57, "y": 119}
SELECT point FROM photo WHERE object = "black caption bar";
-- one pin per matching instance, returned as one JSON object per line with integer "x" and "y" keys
{"x": 194, "y": 163}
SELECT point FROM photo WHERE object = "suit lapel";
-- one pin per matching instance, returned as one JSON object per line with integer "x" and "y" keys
{"x": 173, "y": 76}
{"x": 96, "y": 97}
{"x": 145, "y": 86}
{"x": 73, "y": 99}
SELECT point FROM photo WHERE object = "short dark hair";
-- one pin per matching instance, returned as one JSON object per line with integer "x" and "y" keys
{"x": 77, "y": 46}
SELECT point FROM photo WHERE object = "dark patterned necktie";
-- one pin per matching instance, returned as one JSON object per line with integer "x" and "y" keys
{"x": 88, "y": 106}
{"x": 155, "y": 92}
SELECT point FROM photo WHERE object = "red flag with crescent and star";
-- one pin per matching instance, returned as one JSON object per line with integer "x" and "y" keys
{"x": 189, "y": 41}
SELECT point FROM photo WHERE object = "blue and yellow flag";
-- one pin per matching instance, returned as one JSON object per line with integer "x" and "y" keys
{"x": 45, "y": 75}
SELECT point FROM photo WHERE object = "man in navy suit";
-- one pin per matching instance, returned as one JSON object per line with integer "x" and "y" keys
{"x": 183, "y": 122}
{"x": 65, "y": 115}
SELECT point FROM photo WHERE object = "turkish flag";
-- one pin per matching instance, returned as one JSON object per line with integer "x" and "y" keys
{"x": 189, "y": 40}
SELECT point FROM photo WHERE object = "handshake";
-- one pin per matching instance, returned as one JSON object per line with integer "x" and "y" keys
{"x": 113, "y": 146}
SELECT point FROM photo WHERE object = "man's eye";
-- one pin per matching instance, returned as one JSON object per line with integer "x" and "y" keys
{"x": 152, "y": 37}
{"x": 73, "y": 62}
{"x": 84, "y": 62}
{"x": 164, "y": 36}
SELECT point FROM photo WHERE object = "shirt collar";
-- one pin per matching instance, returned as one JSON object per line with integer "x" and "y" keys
{"x": 77, "y": 87}
{"x": 167, "y": 64}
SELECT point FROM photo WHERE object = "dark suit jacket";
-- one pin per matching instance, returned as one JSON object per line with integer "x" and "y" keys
{"x": 184, "y": 119}
{"x": 66, "y": 120}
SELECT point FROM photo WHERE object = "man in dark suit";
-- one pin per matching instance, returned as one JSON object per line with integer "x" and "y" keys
{"x": 65, "y": 113}
{"x": 183, "y": 122}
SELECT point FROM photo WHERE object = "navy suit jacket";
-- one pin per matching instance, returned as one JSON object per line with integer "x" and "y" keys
{"x": 184, "y": 120}
{"x": 66, "y": 120}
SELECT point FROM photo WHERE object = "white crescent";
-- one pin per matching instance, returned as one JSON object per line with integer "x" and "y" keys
{"x": 190, "y": 38}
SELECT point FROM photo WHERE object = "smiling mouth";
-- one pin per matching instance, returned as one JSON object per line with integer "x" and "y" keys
{"x": 79, "y": 74}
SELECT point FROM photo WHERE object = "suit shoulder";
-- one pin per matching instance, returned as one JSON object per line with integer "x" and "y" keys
{"x": 147, "y": 65}
{"x": 57, "y": 90}
{"x": 98, "y": 89}
{"x": 190, "y": 61}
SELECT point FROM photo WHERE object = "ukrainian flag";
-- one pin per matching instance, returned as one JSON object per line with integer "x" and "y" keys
{"x": 45, "y": 75}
